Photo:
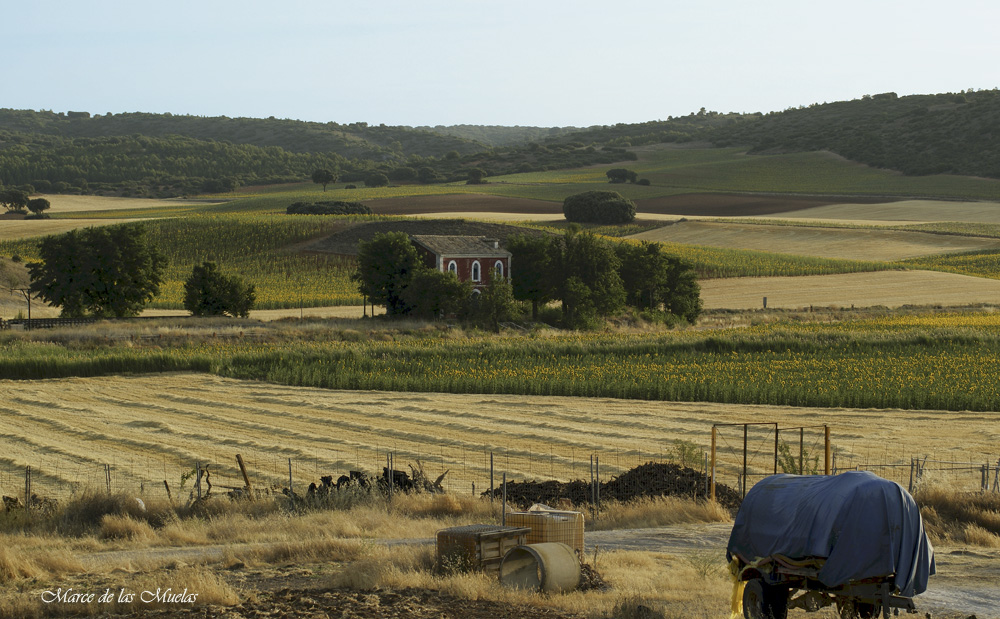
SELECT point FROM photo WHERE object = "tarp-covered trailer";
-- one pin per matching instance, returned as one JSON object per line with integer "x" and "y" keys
{"x": 809, "y": 541}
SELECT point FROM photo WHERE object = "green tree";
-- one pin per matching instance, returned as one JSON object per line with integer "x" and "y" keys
{"x": 654, "y": 280}
{"x": 376, "y": 179}
{"x": 531, "y": 270}
{"x": 38, "y": 206}
{"x": 208, "y": 292}
{"x": 588, "y": 282}
{"x": 428, "y": 175}
{"x": 496, "y": 303}
{"x": 386, "y": 266}
{"x": 476, "y": 176}
{"x": 621, "y": 175}
{"x": 14, "y": 200}
{"x": 323, "y": 177}
{"x": 103, "y": 271}
{"x": 432, "y": 294}
{"x": 684, "y": 299}
{"x": 601, "y": 207}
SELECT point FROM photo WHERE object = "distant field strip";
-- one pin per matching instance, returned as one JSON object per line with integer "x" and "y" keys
{"x": 155, "y": 428}
{"x": 824, "y": 242}
{"x": 885, "y": 288}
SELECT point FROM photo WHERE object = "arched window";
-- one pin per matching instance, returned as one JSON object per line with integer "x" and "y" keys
{"x": 476, "y": 275}
{"x": 498, "y": 267}
{"x": 453, "y": 267}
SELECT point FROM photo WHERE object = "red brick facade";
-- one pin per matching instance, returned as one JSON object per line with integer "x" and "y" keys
{"x": 472, "y": 259}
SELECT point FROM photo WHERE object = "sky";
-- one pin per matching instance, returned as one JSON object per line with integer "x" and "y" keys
{"x": 486, "y": 62}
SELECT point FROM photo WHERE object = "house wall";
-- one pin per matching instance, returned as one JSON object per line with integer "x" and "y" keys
{"x": 464, "y": 268}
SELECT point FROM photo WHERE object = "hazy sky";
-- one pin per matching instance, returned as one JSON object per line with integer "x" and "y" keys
{"x": 510, "y": 62}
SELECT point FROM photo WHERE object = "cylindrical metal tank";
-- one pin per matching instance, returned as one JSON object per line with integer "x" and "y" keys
{"x": 551, "y": 567}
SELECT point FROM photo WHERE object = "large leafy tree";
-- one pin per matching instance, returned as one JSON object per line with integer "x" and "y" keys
{"x": 496, "y": 304}
{"x": 386, "y": 266}
{"x": 14, "y": 200}
{"x": 589, "y": 285}
{"x": 599, "y": 207}
{"x": 432, "y": 294}
{"x": 109, "y": 271}
{"x": 654, "y": 280}
{"x": 531, "y": 275}
{"x": 323, "y": 177}
{"x": 209, "y": 292}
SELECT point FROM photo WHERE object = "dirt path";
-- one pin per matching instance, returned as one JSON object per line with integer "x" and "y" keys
{"x": 967, "y": 582}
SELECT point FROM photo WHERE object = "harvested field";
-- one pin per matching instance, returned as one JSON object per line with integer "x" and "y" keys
{"x": 77, "y": 204}
{"x": 884, "y": 288}
{"x": 908, "y": 211}
{"x": 734, "y": 205}
{"x": 844, "y": 243}
{"x": 463, "y": 203}
{"x": 156, "y": 427}
{"x": 14, "y": 229}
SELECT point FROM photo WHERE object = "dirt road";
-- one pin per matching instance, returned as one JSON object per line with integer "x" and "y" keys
{"x": 967, "y": 581}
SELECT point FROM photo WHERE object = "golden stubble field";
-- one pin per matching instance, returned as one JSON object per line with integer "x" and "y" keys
{"x": 822, "y": 242}
{"x": 154, "y": 428}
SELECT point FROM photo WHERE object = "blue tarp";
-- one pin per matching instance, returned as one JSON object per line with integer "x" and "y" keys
{"x": 863, "y": 525}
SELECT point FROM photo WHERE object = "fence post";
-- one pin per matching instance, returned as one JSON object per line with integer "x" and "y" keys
{"x": 27, "y": 487}
{"x": 712, "y": 471}
{"x": 290, "y": 491}
{"x": 706, "y": 475}
{"x": 802, "y": 447}
{"x": 743, "y": 489}
{"x": 775, "y": 449}
{"x": 503, "y": 513}
{"x": 597, "y": 484}
{"x": 826, "y": 449}
{"x": 107, "y": 477}
{"x": 197, "y": 474}
{"x": 491, "y": 478}
{"x": 910, "y": 488}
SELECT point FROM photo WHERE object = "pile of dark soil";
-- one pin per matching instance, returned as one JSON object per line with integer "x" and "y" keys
{"x": 346, "y": 241}
{"x": 652, "y": 479}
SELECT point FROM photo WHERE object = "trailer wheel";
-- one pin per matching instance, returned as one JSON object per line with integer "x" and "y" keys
{"x": 853, "y": 609}
{"x": 763, "y": 601}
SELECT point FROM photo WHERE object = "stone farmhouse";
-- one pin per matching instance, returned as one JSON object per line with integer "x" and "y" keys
{"x": 471, "y": 258}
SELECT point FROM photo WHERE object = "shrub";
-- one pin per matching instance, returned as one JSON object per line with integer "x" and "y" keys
{"x": 335, "y": 207}
{"x": 601, "y": 207}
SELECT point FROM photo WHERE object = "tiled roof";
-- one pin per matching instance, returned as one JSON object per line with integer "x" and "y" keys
{"x": 460, "y": 246}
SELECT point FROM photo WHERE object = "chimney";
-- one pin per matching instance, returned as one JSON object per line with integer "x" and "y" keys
{"x": 494, "y": 243}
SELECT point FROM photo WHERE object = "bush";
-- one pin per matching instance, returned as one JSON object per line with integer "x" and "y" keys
{"x": 334, "y": 207}
{"x": 599, "y": 207}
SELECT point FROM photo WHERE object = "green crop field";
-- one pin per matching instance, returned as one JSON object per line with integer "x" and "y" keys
{"x": 943, "y": 361}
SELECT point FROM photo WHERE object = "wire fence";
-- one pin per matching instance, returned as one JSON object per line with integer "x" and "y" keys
{"x": 460, "y": 470}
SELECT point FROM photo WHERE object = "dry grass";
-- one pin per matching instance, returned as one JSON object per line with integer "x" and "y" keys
{"x": 659, "y": 512}
{"x": 663, "y": 583}
{"x": 950, "y": 516}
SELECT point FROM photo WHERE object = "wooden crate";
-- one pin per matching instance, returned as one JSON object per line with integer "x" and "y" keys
{"x": 551, "y": 526}
{"x": 477, "y": 546}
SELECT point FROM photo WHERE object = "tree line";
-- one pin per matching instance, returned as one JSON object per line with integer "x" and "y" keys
{"x": 592, "y": 278}
{"x": 114, "y": 271}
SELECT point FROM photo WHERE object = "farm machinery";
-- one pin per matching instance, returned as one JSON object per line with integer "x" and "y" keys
{"x": 853, "y": 540}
